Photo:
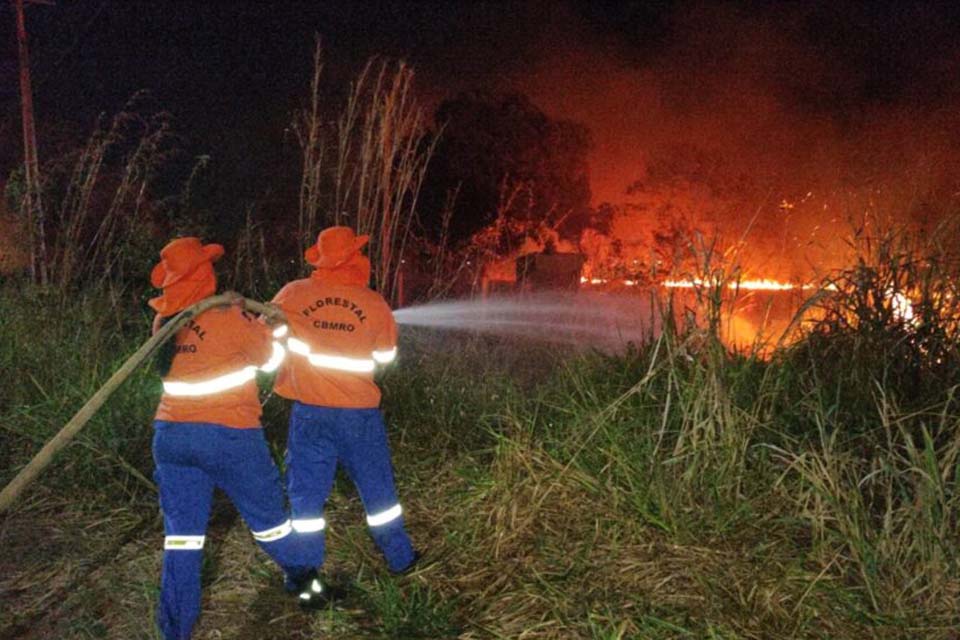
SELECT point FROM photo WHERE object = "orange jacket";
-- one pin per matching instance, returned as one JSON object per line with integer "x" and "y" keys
{"x": 212, "y": 378}
{"x": 339, "y": 331}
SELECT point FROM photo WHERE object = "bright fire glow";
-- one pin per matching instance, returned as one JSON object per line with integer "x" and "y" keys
{"x": 903, "y": 308}
{"x": 764, "y": 284}
{"x": 757, "y": 284}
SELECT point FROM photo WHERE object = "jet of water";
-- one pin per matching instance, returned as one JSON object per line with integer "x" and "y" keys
{"x": 590, "y": 319}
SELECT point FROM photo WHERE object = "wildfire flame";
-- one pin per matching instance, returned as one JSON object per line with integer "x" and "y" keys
{"x": 761, "y": 284}
{"x": 903, "y": 308}
{"x": 595, "y": 281}
{"x": 900, "y": 303}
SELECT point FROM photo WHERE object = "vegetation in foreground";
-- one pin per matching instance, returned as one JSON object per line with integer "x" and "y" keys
{"x": 673, "y": 491}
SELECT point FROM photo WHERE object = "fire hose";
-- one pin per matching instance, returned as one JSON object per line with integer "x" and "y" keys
{"x": 45, "y": 456}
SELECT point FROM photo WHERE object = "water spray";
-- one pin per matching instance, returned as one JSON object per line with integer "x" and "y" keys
{"x": 589, "y": 319}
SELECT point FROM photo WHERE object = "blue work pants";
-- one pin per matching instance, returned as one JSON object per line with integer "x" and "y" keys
{"x": 319, "y": 439}
{"x": 191, "y": 459}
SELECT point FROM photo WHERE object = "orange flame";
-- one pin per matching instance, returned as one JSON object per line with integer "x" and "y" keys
{"x": 761, "y": 284}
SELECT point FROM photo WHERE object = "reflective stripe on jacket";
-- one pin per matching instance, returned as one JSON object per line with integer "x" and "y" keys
{"x": 339, "y": 333}
{"x": 212, "y": 378}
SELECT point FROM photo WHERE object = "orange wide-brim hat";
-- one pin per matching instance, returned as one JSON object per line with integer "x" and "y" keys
{"x": 334, "y": 247}
{"x": 180, "y": 258}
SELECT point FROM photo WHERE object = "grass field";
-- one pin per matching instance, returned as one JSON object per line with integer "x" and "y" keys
{"x": 674, "y": 491}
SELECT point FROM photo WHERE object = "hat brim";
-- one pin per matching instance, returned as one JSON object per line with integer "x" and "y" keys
{"x": 312, "y": 254}
{"x": 158, "y": 275}
{"x": 213, "y": 251}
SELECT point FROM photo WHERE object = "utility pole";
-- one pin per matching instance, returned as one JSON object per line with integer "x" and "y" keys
{"x": 31, "y": 202}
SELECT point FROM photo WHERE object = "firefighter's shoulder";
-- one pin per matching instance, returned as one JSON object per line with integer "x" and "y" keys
{"x": 293, "y": 289}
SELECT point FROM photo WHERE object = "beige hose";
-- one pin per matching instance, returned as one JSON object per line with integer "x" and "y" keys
{"x": 40, "y": 461}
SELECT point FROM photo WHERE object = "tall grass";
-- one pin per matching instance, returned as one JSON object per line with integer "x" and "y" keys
{"x": 378, "y": 152}
{"x": 102, "y": 198}
{"x": 308, "y": 125}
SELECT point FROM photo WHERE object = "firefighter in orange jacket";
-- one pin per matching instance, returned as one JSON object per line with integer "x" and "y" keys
{"x": 207, "y": 433}
{"x": 339, "y": 331}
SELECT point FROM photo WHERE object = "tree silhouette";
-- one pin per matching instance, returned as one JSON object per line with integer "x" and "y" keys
{"x": 507, "y": 159}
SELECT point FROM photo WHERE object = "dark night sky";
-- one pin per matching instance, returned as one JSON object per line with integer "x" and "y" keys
{"x": 742, "y": 77}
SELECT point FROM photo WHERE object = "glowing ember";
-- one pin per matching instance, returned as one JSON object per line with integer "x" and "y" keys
{"x": 903, "y": 309}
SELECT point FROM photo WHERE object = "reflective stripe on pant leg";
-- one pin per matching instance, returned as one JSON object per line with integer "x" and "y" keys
{"x": 273, "y": 534}
{"x": 183, "y": 543}
{"x": 384, "y": 517}
{"x": 309, "y": 525}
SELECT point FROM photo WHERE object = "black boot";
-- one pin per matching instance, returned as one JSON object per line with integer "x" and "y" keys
{"x": 311, "y": 594}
